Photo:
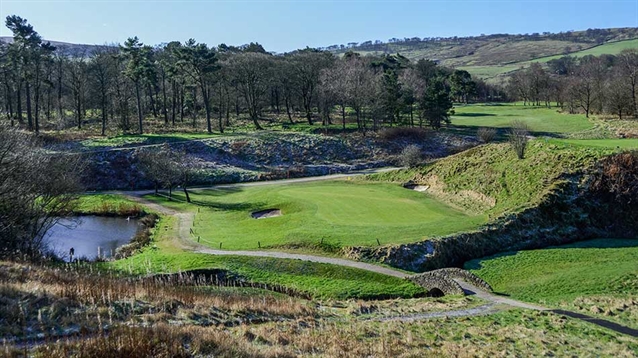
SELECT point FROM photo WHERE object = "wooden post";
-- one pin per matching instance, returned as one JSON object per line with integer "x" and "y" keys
{"x": 259, "y": 244}
{"x": 199, "y": 237}
{"x": 220, "y": 245}
{"x": 378, "y": 243}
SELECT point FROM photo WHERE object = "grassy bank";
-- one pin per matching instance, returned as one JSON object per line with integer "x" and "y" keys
{"x": 490, "y": 179}
{"x": 597, "y": 277}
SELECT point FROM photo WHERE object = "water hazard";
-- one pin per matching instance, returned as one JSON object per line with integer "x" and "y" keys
{"x": 90, "y": 236}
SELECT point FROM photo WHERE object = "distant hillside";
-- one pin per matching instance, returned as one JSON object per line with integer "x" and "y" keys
{"x": 490, "y": 56}
{"x": 62, "y": 46}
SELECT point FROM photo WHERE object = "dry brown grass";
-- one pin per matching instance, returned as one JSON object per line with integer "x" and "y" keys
{"x": 38, "y": 299}
{"x": 620, "y": 309}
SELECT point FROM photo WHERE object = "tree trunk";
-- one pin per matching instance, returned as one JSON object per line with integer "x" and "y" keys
{"x": 19, "y": 102}
{"x": 165, "y": 110}
{"x": 343, "y": 116}
{"x": 29, "y": 117}
{"x": 152, "y": 100}
{"x": 188, "y": 197}
{"x": 173, "y": 102}
{"x": 139, "y": 107}
{"x": 104, "y": 114}
{"x": 206, "y": 98}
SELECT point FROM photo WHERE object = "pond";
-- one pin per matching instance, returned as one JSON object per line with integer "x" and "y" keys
{"x": 89, "y": 234}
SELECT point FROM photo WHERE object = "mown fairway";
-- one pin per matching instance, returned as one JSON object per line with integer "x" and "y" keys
{"x": 342, "y": 213}
{"x": 541, "y": 120}
{"x": 602, "y": 273}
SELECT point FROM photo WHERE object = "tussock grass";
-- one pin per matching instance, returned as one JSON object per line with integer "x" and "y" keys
{"x": 513, "y": 333}
{"x": 41, "y": 299}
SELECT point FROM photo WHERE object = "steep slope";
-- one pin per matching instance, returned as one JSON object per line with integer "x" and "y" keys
{"x": 557, "y": 194}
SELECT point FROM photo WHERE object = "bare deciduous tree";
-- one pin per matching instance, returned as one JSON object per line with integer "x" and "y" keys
{"x": 517, "y": 136}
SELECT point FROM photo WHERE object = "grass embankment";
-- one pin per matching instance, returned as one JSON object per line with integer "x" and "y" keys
{"x": 597, "y": 277}
{"x": 322, "y": 215}
{"x": 107, "y": 205}
{"x": 490, "y": 179}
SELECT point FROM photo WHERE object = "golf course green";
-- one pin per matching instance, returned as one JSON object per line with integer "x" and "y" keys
{"x": 331, "y": 214}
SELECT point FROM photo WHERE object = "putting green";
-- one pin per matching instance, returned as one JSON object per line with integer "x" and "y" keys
{"x": 322, "y": 215}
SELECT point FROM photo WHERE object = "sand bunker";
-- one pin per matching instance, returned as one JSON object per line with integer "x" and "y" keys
{"x": 268, "y": 213}
{"x": 419, "y": 188}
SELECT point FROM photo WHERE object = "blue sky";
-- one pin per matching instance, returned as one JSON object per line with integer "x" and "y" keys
{"x": 284, "y": 25}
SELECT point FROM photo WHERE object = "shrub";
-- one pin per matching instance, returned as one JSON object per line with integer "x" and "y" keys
{"x": 617, "y": 178}
{"x": 517, "y": 136}
{"x": 411, "y": 156}
{"x": 486, "y": 134}
{"x": 394, "y": 133}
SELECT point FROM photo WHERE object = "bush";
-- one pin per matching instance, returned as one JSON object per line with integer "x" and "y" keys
{"x": 517, "y": 136}
{"x": 411, "y": 156}
{"x": 486, "y": 134}
{"x": 394, "y": 133}
{"x": 617, "y": 178}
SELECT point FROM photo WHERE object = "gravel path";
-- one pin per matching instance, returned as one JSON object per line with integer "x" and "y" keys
{"x": 495, "y": 304}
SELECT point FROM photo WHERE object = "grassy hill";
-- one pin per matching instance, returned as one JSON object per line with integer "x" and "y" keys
{"x": 495, "y": 72}
{"x": 491, "y": 57}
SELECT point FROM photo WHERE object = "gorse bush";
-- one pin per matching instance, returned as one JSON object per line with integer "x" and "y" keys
{"x": 517, "y": 136}
{"x": 486, "y": 135}
{"x": 411, "y": 156}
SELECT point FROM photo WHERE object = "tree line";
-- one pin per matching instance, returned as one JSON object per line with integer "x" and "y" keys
{"x": 603, "y": 84}
{"x": 184, "y": 83}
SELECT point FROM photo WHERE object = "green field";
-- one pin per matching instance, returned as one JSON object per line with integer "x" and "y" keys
{"x": 336, "y": 213}
{"x": 493, "y": 71}
{"x": 578, "y": 276}
{"x": 541, "y": 120}
{"x": 610, "y": 48}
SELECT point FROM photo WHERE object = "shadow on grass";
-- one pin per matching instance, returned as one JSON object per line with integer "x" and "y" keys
{"x": 474, "y": 115}
{"x": 501, "y": 132}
